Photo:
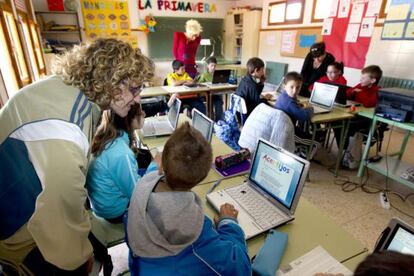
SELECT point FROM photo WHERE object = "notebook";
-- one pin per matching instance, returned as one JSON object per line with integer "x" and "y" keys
{"x": 159, "y": 126}
{"x": 323, "y": 97}
{"x": 271, "y": 193}
{"x": 398, "y": 236}
{"x": 203, "y": 124}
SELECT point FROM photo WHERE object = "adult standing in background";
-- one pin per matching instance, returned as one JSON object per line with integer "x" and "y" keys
{"x": 315, "y": 66}
{"x": 45, "y": 132}
{"x": 185, "y": 46}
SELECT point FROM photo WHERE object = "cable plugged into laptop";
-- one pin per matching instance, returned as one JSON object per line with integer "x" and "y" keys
{"x": 385, "y": 203}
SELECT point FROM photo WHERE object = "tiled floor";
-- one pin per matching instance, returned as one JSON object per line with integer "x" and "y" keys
{"x": 358, "y": 212}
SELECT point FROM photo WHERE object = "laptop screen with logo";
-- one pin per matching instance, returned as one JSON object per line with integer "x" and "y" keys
{"x": 202, "y": 124}
{"x": 277, "y": 173}
{"x": 323, "y": 94}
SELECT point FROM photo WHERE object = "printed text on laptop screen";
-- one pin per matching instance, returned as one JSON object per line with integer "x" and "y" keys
{"x": 402, "y": 242}
{"x": 277, "y": 173}
{"x": 324, "y": 94}
{"x": 202, "y": 125}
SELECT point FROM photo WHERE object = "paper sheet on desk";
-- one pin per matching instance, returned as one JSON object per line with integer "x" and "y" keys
{"x": 315, "y": 261}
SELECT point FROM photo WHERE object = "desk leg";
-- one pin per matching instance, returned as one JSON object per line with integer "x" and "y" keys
{"x": 344, "y": 133}
{"x": 404, "y": 144}
{"x": 309, "y": 151}
{"x": 366, "y": 149}
{"x": 209, "y": 99}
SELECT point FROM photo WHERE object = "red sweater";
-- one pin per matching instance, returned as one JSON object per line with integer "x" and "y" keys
{"x": 341, "y": 80}
{"x": 367, "y": 96}
{"x": 183, "y": 49}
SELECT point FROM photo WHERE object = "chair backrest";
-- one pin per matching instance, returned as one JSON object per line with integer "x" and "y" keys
{"x": 238, "y": 104}
{"x": 270, "y": 124}
{"x": 109, "y": 234}
{"x": 165, "y": 82}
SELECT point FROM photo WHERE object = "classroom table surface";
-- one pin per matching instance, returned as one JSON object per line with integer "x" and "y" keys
{"x": 219, "y": 147}
{"x": 310, "y": 228}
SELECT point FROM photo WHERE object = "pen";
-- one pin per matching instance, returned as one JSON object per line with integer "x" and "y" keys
{"x": 214, "y": 185}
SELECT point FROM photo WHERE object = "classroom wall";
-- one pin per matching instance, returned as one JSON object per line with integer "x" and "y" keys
{"x": 394, "y": 57}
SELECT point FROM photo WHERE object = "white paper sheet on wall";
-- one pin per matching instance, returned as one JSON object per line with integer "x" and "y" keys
{"x": 334, "y": 8}
{"x": 288, "y": 42}
{"x": 373, "y": 8}
{"x": 271, "y": 40}
{"x": 352, "y": 33}
{"x": 327, "y": 26}
{"x": 343, "y": 10}
{"x": 356, "y": 13}
{"x": 367, "y": 27}
{"x": 398, "y": 12}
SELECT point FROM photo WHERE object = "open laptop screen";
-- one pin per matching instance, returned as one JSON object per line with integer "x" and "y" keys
{"x": 401, "y": 241}
{"x": 323, "y": 94}
{"x": 276, "y": 172}
{"x": 173, "y": 113}
{"x": 202, "y": 124}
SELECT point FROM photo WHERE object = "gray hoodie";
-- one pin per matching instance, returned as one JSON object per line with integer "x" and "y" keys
{"x": 162, "y": 224}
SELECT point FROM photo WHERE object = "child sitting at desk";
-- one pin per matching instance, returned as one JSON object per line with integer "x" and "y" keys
{"x": 180, "y": 77}
{"x": 208, "y": 77}
{"x": 113, "y": 172}
{"x": 251, "y": 85}
{"x": 366, "y": 93}
{"x": 298, "y": 113}
{"x": 334, "y": 74}
{"x": 167, "y": 230}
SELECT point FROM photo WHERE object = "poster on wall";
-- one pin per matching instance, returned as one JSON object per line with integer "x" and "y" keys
{"x": 398, "y": 24}
{"x": 107, "y": 18}
{"x": 288, "y": 41}
{"x": 349, "y": 38}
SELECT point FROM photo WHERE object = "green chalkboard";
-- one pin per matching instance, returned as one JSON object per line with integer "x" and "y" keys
{"x": 160, "y": 42}
{"x": 275, "y": 71}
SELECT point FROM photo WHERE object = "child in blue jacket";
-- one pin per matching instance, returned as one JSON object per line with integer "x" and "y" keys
{"x": 288, "y": 101}
{"x": 113, "y": 172}
{"x": 167, "y": 230}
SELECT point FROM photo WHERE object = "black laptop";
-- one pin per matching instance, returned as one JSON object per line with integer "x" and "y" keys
{"x": 341, "y": 99}
{"x": 221, "y": 76}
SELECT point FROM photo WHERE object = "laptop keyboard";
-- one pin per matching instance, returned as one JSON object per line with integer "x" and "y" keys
{"x": 148, "y": 128}
{"x": 164, "y": 128}
{"x": 317, "y": 109}
{"x": 262, "y": 211}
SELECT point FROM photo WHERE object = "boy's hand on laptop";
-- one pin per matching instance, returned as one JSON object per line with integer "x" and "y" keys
{"x": 227, "y": 210}
{"x": 172, "y": 99}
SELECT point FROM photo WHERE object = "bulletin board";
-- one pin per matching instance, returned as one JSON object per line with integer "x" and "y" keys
{"x": 296, "y": 43}
{"x": 399, "y": 24}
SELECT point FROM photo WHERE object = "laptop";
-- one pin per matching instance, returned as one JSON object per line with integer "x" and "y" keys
{"x": 323, "y": 97}
{"x": 203, "y": 124}
{"x": 220, "y": 77}
{"x": 341, "y": 99}
{"x": 270, "y": 195}
{"x": 398, "y": 236}
{"x": 156, "y": 126}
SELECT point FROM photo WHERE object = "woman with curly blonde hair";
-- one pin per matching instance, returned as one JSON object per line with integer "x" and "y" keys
{"x": 46, "y": 131}
{"x": 185, "y": 46}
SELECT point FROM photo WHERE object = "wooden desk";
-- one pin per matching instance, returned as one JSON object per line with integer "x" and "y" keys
{"x": 219, "y": 148}
{"x": 208, "y": 91}
{"x": 310, "y": 228}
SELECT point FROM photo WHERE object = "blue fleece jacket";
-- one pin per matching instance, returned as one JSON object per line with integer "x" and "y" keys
{"x": 112, "y": 177}
{"x": 292, "y": 108}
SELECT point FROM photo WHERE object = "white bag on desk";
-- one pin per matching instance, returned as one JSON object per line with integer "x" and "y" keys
{"x": 353, "y": 153}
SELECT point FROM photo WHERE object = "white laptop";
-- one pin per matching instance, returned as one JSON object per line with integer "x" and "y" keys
{"x": 323, "y": 97}
{"x": 398, "y": 236}
{"x": 203, "y": 124}
{"x": 270, "y": 195}
{"x": 156, "y": 126}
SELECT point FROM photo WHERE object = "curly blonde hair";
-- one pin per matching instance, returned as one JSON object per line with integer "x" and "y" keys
{"x": 192, "y": 27}
{"x": 99, "y": 68}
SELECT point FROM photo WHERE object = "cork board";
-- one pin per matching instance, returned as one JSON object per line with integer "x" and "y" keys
{"x": 296, "y": 43}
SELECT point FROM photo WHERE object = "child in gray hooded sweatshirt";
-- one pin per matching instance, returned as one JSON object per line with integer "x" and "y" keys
{"x": 167, "y": 230}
